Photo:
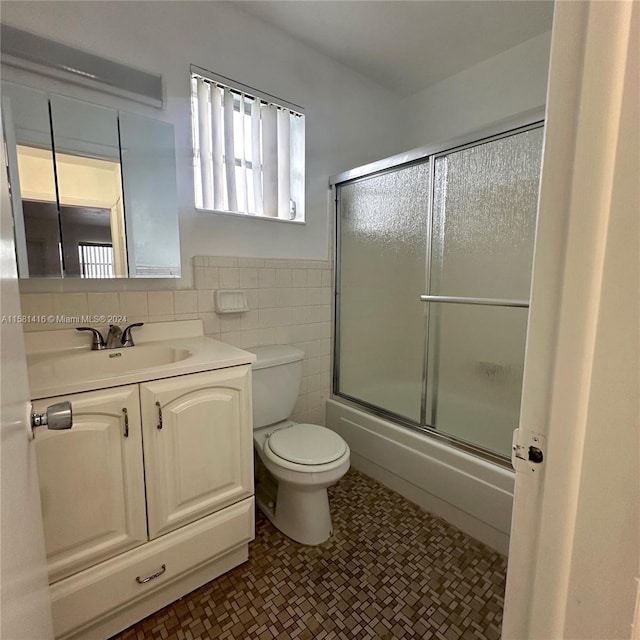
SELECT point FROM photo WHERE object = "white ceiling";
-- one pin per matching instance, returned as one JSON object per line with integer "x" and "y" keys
{"x": 407, "y": 45}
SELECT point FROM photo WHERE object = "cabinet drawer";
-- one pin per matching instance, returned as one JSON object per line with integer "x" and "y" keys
{"x": 104, "y": 589}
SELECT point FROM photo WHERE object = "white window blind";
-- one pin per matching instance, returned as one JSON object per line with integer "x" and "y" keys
{"x": 96, "y": 260}
{"x": 248, "y": 150}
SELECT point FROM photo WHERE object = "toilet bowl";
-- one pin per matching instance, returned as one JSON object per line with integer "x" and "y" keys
{"x": 295, "y": 463}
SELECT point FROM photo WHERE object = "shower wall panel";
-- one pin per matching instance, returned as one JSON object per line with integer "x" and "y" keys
{"x": 484, "y": 219}
{"x": 383, "y": 222}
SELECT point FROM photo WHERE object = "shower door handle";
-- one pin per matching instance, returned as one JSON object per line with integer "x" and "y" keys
{"x": 489, "y": 302}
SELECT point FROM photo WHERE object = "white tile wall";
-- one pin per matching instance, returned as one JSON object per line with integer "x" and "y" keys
{"x": 290, "y": 302}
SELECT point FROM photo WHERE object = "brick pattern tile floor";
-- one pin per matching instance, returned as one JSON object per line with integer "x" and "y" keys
{"x": 390, "y": 570}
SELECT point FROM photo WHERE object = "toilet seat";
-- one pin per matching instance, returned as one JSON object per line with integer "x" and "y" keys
{"x": 306, "y": 444}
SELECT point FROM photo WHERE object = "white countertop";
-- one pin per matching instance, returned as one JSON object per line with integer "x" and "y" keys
{"x": 61, "y": 362}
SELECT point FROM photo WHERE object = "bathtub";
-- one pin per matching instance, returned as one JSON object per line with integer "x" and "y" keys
{"x": 472, "y": 494}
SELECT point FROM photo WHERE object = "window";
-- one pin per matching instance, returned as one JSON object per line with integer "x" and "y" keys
{"x": 96, "y": 260}
{"x": 248, "y": 149}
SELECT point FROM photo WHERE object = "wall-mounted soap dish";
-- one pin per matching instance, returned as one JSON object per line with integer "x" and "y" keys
{"x": 231, "y": 301}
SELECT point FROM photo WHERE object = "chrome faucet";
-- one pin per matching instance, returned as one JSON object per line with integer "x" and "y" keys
{"x": 116, "y": 338}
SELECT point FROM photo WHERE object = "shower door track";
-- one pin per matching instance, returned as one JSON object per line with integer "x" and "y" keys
{"x": 531, "y": 120}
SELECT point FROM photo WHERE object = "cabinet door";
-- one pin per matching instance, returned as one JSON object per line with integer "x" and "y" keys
{"x": 198, "y": 445}
{"x": 92, "y": 480}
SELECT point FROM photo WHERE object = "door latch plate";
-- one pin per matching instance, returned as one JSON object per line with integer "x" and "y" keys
{"x": 527, "y": 451}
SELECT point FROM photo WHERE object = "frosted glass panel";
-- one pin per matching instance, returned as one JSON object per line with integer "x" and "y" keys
{"x": 481, "y": 235}
{"x": 478, "y": 355}
{"x": 382, "y": 274}
{"x": 484, "y": 218}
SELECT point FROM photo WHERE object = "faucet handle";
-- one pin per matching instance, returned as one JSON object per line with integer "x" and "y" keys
{"x": 98, "y": 341}
{"x": 127, "y": 340}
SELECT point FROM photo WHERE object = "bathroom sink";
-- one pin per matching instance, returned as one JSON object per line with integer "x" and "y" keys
{"x": 60, "y": 362}
{"x": 109, "y": 361}
{"x": 90, "y": 365}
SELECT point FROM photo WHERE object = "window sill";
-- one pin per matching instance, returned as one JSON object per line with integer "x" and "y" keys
{"x": 248, "y": 216}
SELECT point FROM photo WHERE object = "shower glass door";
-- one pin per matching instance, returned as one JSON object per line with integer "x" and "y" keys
{"x": 433, "y": 276}
{"x": 483, "y": 225}
{"x": 380, "y": 344}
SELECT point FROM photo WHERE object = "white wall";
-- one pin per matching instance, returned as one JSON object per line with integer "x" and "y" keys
{"x": 349, "y": 119}
{"x": 499, "y": 88}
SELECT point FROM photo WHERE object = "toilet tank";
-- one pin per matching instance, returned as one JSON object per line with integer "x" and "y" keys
{"x": 276, "y": 376}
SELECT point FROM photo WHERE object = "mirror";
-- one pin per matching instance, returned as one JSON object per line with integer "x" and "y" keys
{"x": 150, "y": 195}
{"x": 93, "y": 189}
{"x": 89, "y": 188}
{"x": 27, "y": 129}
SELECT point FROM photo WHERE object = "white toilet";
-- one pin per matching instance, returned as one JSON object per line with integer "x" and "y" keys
{"x": 295, "y": 463}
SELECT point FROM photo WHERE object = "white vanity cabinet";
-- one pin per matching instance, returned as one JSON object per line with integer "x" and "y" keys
{"x": 148, "y": 496}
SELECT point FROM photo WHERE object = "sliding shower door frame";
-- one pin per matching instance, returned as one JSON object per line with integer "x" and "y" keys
{"x": 420, "y": 155}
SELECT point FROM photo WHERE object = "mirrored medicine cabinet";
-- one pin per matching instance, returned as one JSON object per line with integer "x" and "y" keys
{"x": 93, "y": 189}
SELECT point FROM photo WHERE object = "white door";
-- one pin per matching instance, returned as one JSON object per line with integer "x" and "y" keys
{"x": 198, "y": 445}
{"x": 574, "y": 557}
{"x": 25, "y": 610}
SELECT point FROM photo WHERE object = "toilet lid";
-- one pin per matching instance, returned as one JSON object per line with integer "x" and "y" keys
{"x": 307, "y": 444}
